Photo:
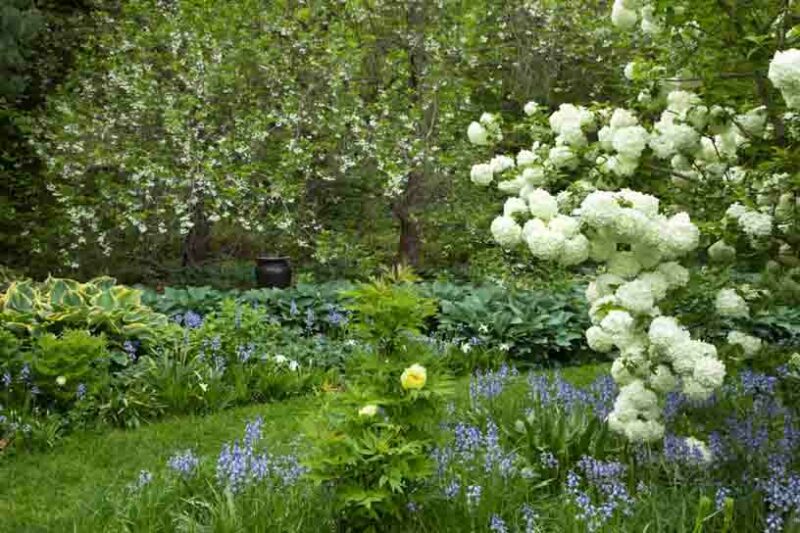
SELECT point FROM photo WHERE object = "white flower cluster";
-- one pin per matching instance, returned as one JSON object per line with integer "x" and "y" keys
{"x": 750, "y": 345}
{"x": 569, "y": 123}
{"x": 721, "y": 252}
{"x": 638, "y": 247}
{"x": 730, "y": 304}
{"x": 754, "y": 224}
{"x": 784, "y": 73}
{"x": 483, "y": 132}
{"x": 626, "y": 13}
{"x": 695, "y": 362}
{"x": 625, "y": 136}
{"x": 531, "y": 108}
{"x": 636, "y": 413}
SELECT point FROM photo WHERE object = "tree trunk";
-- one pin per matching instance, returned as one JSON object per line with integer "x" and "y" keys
{"x": 408, "y": 203}
{"x": 196, "y": 243}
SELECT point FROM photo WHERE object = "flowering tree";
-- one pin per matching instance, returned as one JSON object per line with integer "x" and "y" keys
{"x": 295, "y": 127}
{"x": 667, "y": 143}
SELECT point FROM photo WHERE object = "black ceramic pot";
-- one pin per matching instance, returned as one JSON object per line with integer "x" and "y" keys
{"x": 273, "y": 272}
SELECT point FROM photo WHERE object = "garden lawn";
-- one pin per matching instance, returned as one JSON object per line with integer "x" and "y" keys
{"x": 55, "y": 490}
{"x": 50, "y": 491}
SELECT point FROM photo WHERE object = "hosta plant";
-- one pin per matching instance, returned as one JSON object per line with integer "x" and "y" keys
{"x": 99, "y": 305}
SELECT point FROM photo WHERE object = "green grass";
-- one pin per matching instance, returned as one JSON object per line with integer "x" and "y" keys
{"x": 46, "y": 491}
{"x": 50, "y": 491}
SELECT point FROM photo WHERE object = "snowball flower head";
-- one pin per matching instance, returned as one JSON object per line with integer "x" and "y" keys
{"x": 709, "y": 372}
{"x": 622, "y": 17}
{"x": 544, "y": 243}
{"x": 414, "y": 377}
{"x": 624, "y": 264}
{"x": 477, "y": 134}
{"x": 646, "y": 203}
{"x": 600, "y": 208}
{"x": 680, "y": 235}
{"x": 533, "y": 176}
{"x": 630, "y": 70}
{"x": 657, "y": 282}
{"x": 564, "y": 224}
{"x": 514, "y": 206}
{"x": 570, "y": 118}
{"x": 735, "y": 211}
{"x": 680, "y": 102}
{"x": 756, "y": 224}
{"x": 563, "y": 157}
{"x": 575, "y": 251}
{"x": 526, "y": 157}
{"x": 622, "y": 118}
{"x": 506, "y": 231}
{"x": 501, "y": 162}
{"x": 368, "y": 411}
{"x": 729, "y": 304}
{"x": 61, "y": 381}
{"x": 621, "y": 373}
{"x": 720, "y": 252}
{"x": 531, "y": 108}
{"x": 618, "y": 323}
{"x": 685, "y": 355}
{"x": 599, "y": 340}
{"x": 751, "y": 345}
{"x": 784, "y": 73}
{"x": 630, "y": 141}
{"x": 481, "y": 174}
{"x": 675, "y": 273}
{"x": 665, "y": 331}
{"x": 542, "y": 204}
{"x": 636, "y": 296}
{"x": 663, "y": 380}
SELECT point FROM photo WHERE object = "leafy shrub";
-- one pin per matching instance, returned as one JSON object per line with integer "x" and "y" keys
{"x": 63, "y": 363}
{"x": 388, "y": 309}
{"x": 530, "y": 325}
{"x": 372, "y": 445}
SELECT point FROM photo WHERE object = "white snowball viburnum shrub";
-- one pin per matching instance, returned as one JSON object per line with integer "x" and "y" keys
{"x": 637, "y": 248}
{"x": 587, "y": 181}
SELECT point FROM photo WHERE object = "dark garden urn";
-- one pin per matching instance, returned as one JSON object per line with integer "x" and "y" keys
{"x": 273, "y": 272}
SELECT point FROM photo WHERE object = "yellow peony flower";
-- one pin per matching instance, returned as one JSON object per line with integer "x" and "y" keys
{"x": 414, "y": 377}
{"x": 368, "y": 410}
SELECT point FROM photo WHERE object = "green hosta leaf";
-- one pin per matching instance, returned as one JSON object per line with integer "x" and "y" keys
{"x": 20, "y": 297}
{"x": 102, "y": 283}
{"x": 126, "y": 297}
{"x": 137, "y": 329}
{"x": 71, "y": 315}
{"x": 20, "y": 328}
{"x": 104, "y": 300}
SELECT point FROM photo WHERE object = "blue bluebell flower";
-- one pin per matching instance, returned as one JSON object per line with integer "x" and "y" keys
{"x": 497, "y": 524}
{"x": 184, "y": 463}
{"x": 192, "y": 320}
